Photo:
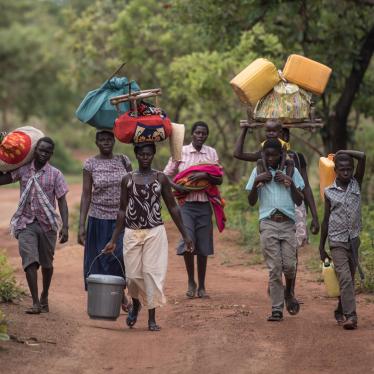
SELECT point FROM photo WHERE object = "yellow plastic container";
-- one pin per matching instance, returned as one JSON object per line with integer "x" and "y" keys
{"x": 308, "y": 74}
{"x": 255, "y": 81}
{"x": 326, "y": 173}
{"x": 330, "y": 279}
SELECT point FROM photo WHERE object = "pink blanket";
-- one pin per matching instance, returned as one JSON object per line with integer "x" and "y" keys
{"x": 211, "y": 190}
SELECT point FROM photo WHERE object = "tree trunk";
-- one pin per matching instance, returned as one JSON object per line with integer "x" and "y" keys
{"x": 337, "y": 122}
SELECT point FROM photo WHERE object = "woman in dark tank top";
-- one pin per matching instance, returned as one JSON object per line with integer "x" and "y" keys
{"x": 145, "y": 242}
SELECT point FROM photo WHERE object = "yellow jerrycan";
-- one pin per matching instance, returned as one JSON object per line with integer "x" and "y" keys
{"x": 330, "y": 279}
{"x": 326, "y": 173}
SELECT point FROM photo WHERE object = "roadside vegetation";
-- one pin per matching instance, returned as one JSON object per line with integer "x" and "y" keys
{"x": 9, "y": 291}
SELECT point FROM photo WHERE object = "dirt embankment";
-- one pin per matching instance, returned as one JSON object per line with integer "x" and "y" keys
{"x": 226, "y": 333}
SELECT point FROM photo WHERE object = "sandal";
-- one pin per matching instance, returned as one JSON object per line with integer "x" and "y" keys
{"x": 339, "y": 317}
{"x": 153, "y": 327}
{"x": 44, "y": 308}
{"x": 276, "y": 316}
{"x": 350, "y": 324}
{"x": 33, "y": 310}
{"x": 132, "y": 317}
{"x": 202, "y": 294}
{"x": 292, "y": 305}
{"x": 191, "y": 292}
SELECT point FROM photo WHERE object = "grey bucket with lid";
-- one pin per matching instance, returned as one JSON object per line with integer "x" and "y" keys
{"x": 105, "y": 294}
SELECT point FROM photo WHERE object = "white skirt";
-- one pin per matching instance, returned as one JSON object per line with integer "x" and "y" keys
{"x": 145, "y": 253}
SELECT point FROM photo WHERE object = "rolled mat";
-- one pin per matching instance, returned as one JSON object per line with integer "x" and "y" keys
{"x": 176, "y": 141}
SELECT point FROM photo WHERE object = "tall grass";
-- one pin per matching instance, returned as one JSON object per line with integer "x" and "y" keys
{"x": 9, "y": 289}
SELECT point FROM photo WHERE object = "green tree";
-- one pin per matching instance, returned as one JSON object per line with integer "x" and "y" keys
{"x": 339, "y": 33}
{"x": 31, "y": 59}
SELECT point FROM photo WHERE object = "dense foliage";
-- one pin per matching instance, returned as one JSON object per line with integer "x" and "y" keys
{"x": 53, "y": 51}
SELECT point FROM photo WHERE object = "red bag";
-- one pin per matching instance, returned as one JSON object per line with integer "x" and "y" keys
{"x": 130, "y": 128}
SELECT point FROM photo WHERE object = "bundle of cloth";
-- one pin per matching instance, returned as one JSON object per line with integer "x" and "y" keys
{"x": 211, "y": 190}
{"x": 17, "y": 147}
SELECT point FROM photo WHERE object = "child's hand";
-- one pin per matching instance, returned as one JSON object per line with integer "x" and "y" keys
{"x": 283, "y": 178}
{"x": 287, "y": 181}
{"x": 263, "y": 178}
{"x": 278, "y": 177}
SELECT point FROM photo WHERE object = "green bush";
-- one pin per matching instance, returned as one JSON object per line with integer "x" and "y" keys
{"x": 8, "y": 285}
{"x": 367, "y": 246}
{"x": 240, "y": 216}
{"x": 3, "y": 327}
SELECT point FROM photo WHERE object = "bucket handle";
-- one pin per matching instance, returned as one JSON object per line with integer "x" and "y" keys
{"x": 102, "y": 253}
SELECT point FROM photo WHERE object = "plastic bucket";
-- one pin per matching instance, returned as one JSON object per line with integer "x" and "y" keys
{"x": 104, "y": 295}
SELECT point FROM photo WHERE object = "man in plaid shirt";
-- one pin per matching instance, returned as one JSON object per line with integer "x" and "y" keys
{"x": 36, "y": 222}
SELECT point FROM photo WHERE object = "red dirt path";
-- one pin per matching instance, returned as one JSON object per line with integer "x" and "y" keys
{"x": 226, "y": 333}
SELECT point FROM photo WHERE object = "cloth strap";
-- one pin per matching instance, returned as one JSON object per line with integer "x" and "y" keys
{"x": 50, "y": 212}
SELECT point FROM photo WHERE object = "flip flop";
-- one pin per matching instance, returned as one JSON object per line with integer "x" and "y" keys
{"x": 191, "y": 292}
{"x": 44, "y": 308}
{"x": 33, "y": 310}
{"x": 132, "y": 317}
{"x": 153, "y": 327}
{"x": 202, "y": 294}
{"x": 339, "y": 317}
{"x": 292, "y": 305}
{"x": 276, "y": 316}
{"x": 350, "y": 324}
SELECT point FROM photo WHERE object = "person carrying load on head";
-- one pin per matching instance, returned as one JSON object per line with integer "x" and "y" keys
{"x": 36, "y": 224}
{"x": 273, "y": 130}
{"x": 145, "y": 241}
{"x": 102, "y": 176}
{"x": 277, "y": 194}
{"x": 341, "y": 226}
{"x": 196, "y": 208}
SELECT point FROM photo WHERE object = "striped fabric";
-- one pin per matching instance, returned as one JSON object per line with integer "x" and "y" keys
{"x": 38, "y": 200}
{"x": 190, "y": 157}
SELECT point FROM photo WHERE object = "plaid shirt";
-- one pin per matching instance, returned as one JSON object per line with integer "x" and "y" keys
{"x": 273, "y": 196}
{"x": 191, "y": 156}
{"x": 345, "y": 212}
{"x": 52, "y": 183}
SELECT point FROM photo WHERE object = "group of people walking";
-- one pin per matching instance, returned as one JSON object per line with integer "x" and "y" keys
{"x": 120, "y": 214}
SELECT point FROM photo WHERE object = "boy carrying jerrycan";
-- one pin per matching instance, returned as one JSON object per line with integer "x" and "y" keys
{"x": 342, "y": 225}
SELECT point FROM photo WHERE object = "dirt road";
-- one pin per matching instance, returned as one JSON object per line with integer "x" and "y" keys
{"x": 226, "y": 333}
